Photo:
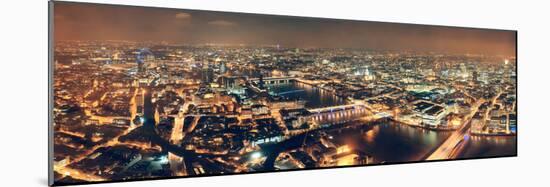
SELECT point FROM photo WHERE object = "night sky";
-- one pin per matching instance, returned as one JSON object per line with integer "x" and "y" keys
{"x": 74, "y": 21}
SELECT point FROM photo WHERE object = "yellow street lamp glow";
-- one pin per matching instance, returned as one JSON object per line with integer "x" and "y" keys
{"x": 256, "y": 155}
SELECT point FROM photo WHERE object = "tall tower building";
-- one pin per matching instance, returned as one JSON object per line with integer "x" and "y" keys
{"x": 223, "y": 68}
{"x": 207, "y": 75}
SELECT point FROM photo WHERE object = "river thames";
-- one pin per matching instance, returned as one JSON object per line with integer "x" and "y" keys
{"x": 391, "y": 142}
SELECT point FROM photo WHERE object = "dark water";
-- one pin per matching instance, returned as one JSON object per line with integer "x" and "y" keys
{"x": 391, "y": 142}
{"x": 490, "y": 146}
{"x": 314, "y": 97}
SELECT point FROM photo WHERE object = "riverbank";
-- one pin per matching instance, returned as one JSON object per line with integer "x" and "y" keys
{"x": 491, "y": 134}
{"x": 424, "y": 127}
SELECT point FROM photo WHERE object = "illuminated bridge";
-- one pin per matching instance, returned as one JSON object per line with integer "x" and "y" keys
{"x": 324, "y": 116}
{"x": 274, "y": 80}
{"x": 338, "y": 114}
{"x": 289, "y": 92}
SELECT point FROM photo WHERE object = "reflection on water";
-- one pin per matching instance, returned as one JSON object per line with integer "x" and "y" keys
{"x": 490, "y": 146}
{"x": 392, "y": 142}
{"x": 314, "y": 97}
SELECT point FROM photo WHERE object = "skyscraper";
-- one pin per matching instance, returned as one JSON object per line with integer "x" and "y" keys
{"x": 223, "y": 68}
{"x": 207, "y": 75}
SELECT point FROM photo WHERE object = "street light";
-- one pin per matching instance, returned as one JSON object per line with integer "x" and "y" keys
{"x": 256, "y": 155}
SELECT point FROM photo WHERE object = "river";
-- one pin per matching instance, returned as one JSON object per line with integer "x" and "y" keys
{"x": 391, "y": 142}
{"x": 314, "y": 97}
